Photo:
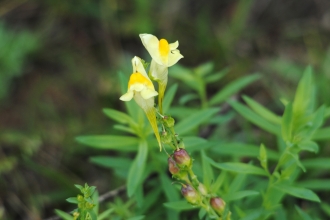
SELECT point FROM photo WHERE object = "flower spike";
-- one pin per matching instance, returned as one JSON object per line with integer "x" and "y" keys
{"x": 143, "y": 91}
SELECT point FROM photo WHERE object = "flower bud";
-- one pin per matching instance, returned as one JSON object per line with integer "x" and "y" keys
{"x": 218, "y": 204}
{"x": 190, "y": 194}
{"x": 169, "y": 121}
{"x": 182, "y": 158}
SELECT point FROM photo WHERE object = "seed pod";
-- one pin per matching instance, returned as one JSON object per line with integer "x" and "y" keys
{"x": 165, "y": 138}
{"x": 218, "y": 204}
{"x": 190, "y": 194}
{"x": 169, "y": 121}
{"x": 182, "y": 158}
{"x": 172, "y": 167}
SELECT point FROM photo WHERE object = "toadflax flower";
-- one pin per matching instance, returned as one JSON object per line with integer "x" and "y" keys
{"x": 143, "y": 91}
{"x": 163, "y": 56}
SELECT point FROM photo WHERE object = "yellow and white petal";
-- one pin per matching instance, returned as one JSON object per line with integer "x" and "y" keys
{"x": 137, "y": 87}
{"x": 138, "y": 66}
{"x": 151, "y": 43}
{"x": 127, "y": 96}
{"x": 174, "y": 45}
{"x": 174, "y": 57}
{"x": 148, "y": 93}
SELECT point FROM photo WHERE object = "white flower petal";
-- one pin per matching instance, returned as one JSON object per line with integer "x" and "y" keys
{"x": 137, "y": 87}
{"x": 148, "y": 93}
{"x": 158, "y": 72}
{"x": 127, "y": 96}
{"x": 151, "y": 43}
{"x": 174, "y": 45}
{"x": 138, "y": 66}
{"x": 174, "y": 57}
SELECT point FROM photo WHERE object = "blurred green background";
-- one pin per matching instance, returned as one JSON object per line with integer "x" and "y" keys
{"x": 59, "y": 62}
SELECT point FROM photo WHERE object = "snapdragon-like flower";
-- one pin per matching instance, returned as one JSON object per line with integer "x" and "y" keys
{"x": 161, "y": 51}
{"x": 143, "y": 91}
{"x": 163, "y": 56}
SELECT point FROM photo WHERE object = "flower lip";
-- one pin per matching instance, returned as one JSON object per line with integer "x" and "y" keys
{"x": 139, "y": 82}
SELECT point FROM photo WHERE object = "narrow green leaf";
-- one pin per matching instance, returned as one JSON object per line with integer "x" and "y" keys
{"x": 170, "y": 191}
{"x": 232, "y": 88}
{"x": 105, "y": 214}
{"x": 287, "y": 123}
{"x": 242, "y": 149}
{"x": 240, "y": 195}
{"x": 81, "y": 188}
{"x": 137, "y": 217}
{"x": 92, "y": 214}
{"x": 287, "y": 172}
{"x": 193, "y": 141}
{"x": 238, "y": 167}
{"x": 118, "y": 116}
{"x": 208, "y": 176}
{"x": 63, "y": 215}
{"x": 262, "y": 111}
{"x": 73, "y": 200}
{"x": 263, "y": 157}
{"x": 137, "y": 169}
{"x": 317, "y": 163}
{"x": 298, "y": 192}
{"x": 182, "y": 112}
{"x": 201, "y": 213}
{"x": 327, "y": 113}
{"x": 122, "y": 143}
{"x": 295, "y": 156}
{"x": 180, "y": 205}
{"x": 303, "y": 101}
{"x": 309, "y": 146}
{"x": 322, "y": 134}
{"x": 111, "y": 162}
{"x": 204, "y": 69}
{"x": 318, "y": 118}
{"x": 237, "y": 183}
{"x": 188, "y": 97}
{"x": 169, "y": 95}
{"x": 218, "y": 182}
{"x": 254, "y": 118}
{"x": 194, "y": 120}
{"x": 326, "y": 208}
{"x": 184, "y": 74}
{"x": 216, "y": 76}
{"x": 124, "y": 128}
{"x": 303, "y": 215}
{"x": 315, "y": 184}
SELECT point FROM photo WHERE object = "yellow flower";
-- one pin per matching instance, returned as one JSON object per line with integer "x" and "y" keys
{"x": 143, "y": 91}
{"x": 161, "y": 51}
{"x": 163, "y": 56}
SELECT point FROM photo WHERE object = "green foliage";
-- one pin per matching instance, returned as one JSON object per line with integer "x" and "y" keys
{"x": 14, "y": 52}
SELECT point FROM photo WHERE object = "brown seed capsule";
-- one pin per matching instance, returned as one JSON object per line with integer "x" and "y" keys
{"x": 182, "y": 158}
{"x": 218, "y": 204}
{"x": 190, "y": 194}
{"x": 172, "y": 167}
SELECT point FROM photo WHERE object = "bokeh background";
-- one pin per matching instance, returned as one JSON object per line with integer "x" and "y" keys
{"x": 59, "y": 62}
